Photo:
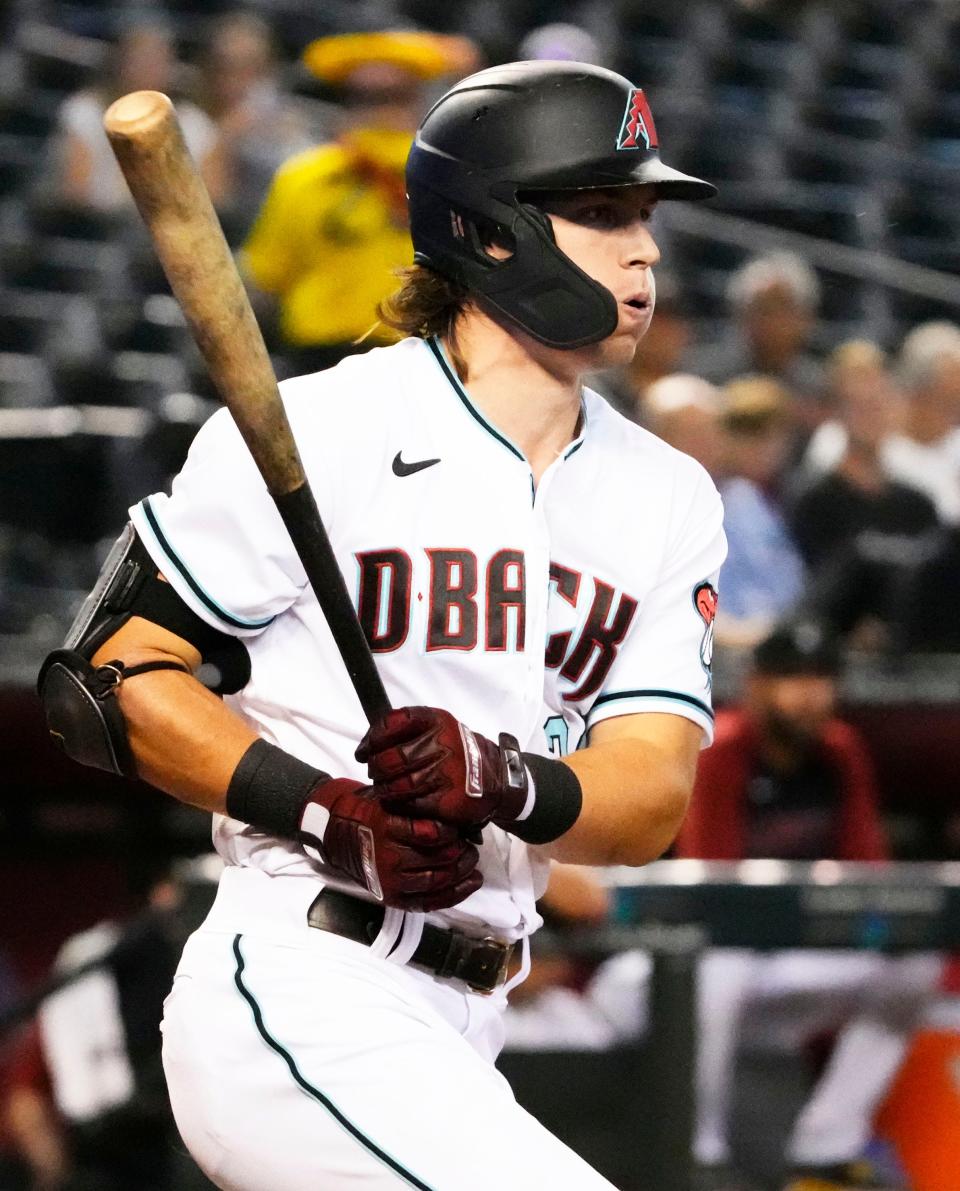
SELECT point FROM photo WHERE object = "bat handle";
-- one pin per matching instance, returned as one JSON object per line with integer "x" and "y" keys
{"x": 298, "y": 509}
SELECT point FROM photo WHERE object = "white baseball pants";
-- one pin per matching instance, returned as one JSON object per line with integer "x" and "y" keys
{"x": 298, "y": 1060}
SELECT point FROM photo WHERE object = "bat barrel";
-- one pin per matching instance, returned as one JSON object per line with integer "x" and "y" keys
{"x": 172, "y": 200}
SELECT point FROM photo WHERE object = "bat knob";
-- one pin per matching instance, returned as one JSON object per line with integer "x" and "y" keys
{"x": 137, "y": 114}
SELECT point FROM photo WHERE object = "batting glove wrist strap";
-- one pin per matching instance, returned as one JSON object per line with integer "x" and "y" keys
{"x": 411, "y": 863}
{"x": 270, "y": 788}
{"x": 556, "y": 802}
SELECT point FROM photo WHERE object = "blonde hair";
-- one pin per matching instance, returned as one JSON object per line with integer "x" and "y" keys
{"x": 754, "y": 404}
{"x": 857, "y": 355}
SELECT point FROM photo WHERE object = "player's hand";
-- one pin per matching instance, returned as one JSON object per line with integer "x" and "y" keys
{"x": 406, "y": 862}
{"x": 424, "y": 760}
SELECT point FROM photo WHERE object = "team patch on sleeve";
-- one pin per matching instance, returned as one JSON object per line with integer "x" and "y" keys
{"x": 705, "y": 599}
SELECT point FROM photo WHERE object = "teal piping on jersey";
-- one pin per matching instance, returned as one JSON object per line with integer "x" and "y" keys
{"x": 342, "y": 1120}
{"x": 449, "y": 372}
{"x": 654, "y": 696}
{"x": 207, "y": 600}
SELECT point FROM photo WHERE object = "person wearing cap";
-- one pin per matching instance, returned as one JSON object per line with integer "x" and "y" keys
{"x": 785, "y": 777}
{"x": 763, "y": 577}
{"x": 788, "y": 779}
{"x": 333, "y": 229}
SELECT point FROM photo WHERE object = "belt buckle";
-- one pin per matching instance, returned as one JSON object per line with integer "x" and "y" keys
{"x": 503, "y": 953}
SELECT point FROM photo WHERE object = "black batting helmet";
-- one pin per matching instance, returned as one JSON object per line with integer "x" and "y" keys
{"x": 514, "y": 129}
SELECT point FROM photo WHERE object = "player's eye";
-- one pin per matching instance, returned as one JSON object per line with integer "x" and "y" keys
{"x": 602, "y": 215}
{"x": 610, "y": 215}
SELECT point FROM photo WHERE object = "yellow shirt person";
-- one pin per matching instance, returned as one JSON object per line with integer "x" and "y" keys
{"x": 330, "y": 236}
{"x": 332, "y": 232}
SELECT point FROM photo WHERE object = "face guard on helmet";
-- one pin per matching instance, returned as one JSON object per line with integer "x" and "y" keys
{"x": 530, "y": 126}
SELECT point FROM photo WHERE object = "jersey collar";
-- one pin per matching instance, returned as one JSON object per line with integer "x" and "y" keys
{"x": 448, "y": 370}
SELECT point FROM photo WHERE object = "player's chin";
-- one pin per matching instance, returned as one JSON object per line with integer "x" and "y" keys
{"x": 620, "y": 347}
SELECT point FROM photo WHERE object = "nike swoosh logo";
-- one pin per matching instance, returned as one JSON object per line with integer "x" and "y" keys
{"x": 408, "y": 469}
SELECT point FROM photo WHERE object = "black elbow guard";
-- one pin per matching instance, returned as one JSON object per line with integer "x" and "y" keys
{"x": 83, "y": 714}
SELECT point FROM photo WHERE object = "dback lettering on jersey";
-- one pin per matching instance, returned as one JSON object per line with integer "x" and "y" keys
{"x": 384, "y": 601}
{"x": 453, "y": 606}
{"x": 588, "y": 662}
{"x": 583, "y": 656}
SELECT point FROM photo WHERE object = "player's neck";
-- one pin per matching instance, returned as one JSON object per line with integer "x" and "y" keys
{"x": 529, "y": 392}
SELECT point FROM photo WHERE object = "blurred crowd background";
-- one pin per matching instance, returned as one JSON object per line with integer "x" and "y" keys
{"x": 805, "y": 348}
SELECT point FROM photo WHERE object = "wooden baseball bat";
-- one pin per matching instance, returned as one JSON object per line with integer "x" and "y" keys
{"x": 170, "y": 195}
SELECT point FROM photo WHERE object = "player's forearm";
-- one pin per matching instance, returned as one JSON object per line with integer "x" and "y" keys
{"x": 634, "y": 799}
{"x": 184, "y": 739}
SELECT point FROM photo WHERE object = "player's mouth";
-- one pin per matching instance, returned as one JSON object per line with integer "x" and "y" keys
{"x": 638, "y": 311}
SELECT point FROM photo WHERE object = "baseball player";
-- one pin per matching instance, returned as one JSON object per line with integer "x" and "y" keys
{"x": 536, "y": 578}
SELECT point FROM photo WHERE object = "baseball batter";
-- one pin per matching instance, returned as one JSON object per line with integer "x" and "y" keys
{"x": 536, "y": 578}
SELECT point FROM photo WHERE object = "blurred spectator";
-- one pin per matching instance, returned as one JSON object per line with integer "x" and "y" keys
{"x": 786, "y": 779}
{"x": 925, "y": 616}
{"x": 34, "y": 1127}
{"x": 773, "y": 300}
{"x": 685, "y": 412}
{"x": 258, "y": 126}
{"x": 922, "y": 448}
{"x": 333, "y": 230}
{"x": 762, "y": 578}
{"x": 87, "y": 1103}
{"x": 859, "y": 531}
{"x": 86, "y": 171}
{"x": 560, "y": 42}
{"x": 856, "y": 364}
{"x": 658, "y": 354}
{"x": 926, "y": 451}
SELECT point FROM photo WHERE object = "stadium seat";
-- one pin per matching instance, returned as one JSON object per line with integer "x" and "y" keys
{"x": 25, "y": 381}
{"x": 144, "y": 379}
{"x": 54, "y": 57}
{"x": 23, "y": 118}
{"x": 48, "y": 217}
{"x": 20, "y": 162}
{"x": 152, "y": 324}
{"x": 864, "y": 112}
{"x": 70, "y": 266}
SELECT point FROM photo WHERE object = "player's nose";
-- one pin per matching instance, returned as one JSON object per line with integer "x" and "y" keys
{"x": 640, "y": 249}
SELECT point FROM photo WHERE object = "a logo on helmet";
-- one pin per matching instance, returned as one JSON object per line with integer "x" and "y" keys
{"x": 705, "y": 601}
{"x": 637, "y": 124}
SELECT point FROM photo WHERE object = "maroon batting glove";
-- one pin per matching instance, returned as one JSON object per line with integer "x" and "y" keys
{"x": 406, "y": 862}
{"x": 428, "y": 763}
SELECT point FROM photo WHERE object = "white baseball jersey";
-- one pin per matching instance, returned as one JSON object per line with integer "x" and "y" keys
{"x": 535, "y": 611}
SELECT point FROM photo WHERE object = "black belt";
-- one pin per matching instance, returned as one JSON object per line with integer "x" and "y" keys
{"x": 480, "y": 963}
